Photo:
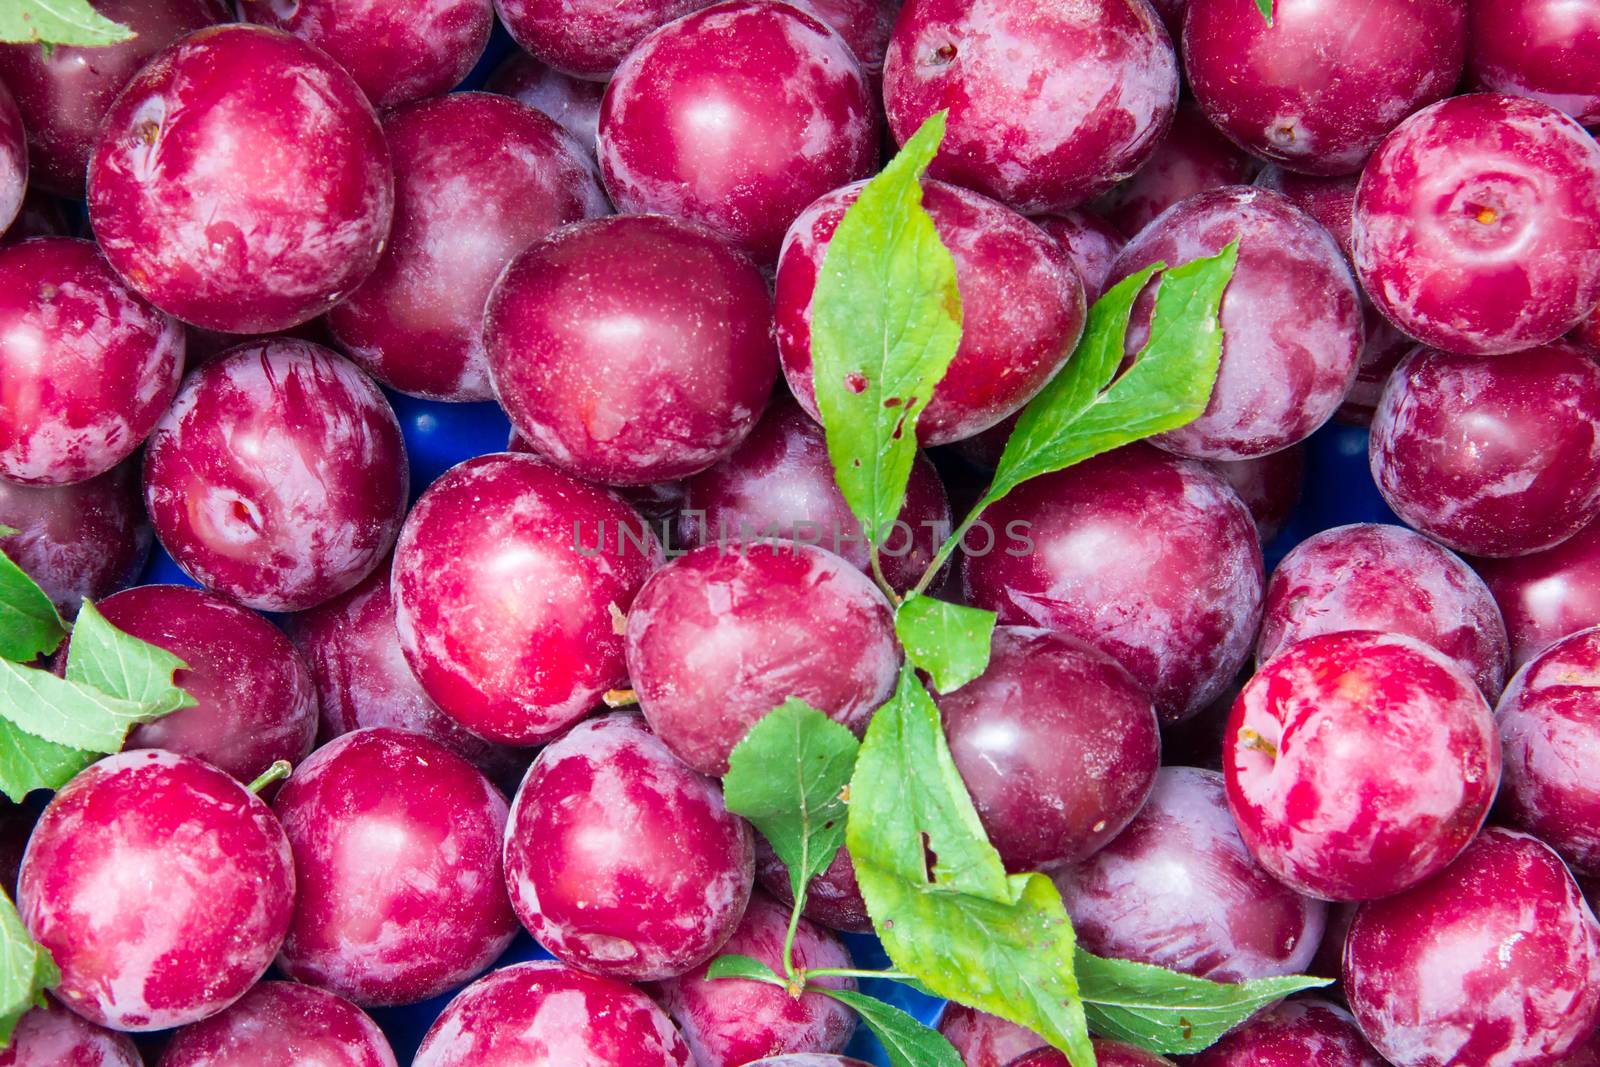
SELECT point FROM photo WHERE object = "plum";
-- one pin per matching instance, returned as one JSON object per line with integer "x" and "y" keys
{"x": 833, "y": 899}
{"x": 1090, "y": 242}
{"x": 1106, "y": 1054}
{"x": 1547, "y": 50}
{"x": 1193, "y": 158}
{"x": 1292, "y": 1034}
{"x": 52, "y": 1036}
{"x": 984, "y": 1040}
{"x": 88, "y": 539}
{"x": 572, "y": 102}
{"x": 587, "y": 38}
{"x": 1547, "y": 595}
{"x": 282, "y": 1023}
{"x": 1269, "y": 485}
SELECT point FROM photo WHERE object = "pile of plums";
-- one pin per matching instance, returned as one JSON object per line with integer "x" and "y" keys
{"x": 302, "y": 254}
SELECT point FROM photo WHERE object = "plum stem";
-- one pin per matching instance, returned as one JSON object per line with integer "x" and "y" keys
{"x": 1252, "y": 740}
{"x": 619, "y": 698}
{"x": 275, "y": 773}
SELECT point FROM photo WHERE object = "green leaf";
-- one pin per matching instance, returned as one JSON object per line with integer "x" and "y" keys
{"x": 967, "y": 930}
{"x": 786, "y": 777}
{"x": 52, "y": 22}
{"x": 734, "y": 965}
{"x": 908, "y": 1042}
{"x": 28, "y": 763}
{"x": 26, "y": 970}
{"x": 1168, "y": 1012}
{"x": 885, "y": 323}
{"x": 949, "y": 641}
{"x": 114, "y": 662}
{"x": 29, "y": 624}
{"x": 1078, "y": 416}
{"x": 64, "y": 712}
{"x": 1265, "y": 7}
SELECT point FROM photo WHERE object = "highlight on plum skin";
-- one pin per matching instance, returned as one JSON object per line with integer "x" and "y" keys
{"x": 436, "y": 914}
{"x": 282, "y": 1022}
{"x": 137, "y": 961}
{"x": 416, "y": 323}
{"x": 573, "y": 102}
{"x": 1544, "y": 596}
{"x": 620, "y": 859}
{"x": 511, "y": 584}
{"x": 1547, "y": 50}
{"x": 278, "y": 477}
{"x": 89, "y": 365}
{"x": 725, "y": 633}
{"x": 1292, "y": 1033}
{"x": 13, "y": 159}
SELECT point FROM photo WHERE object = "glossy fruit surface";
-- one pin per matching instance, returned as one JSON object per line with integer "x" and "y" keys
{"x": 1193, "y": 158}
{"x": 52, "y": 1036}
{"x": 63, "y": 93}
{"x": 13, "y": 159}
{"x": 587, "y": 38}
{"x": 1549, "y": 719}
{"x": 1178, "y": 889}
{"x": 1291, "y": 319}
{"x": 631, "y": 349}
{"x": 1270, "y": 486}
{"x": 397, "y": 849}
{"x": 1150, "y": 558}
{"x": 417, "y": 322}
{"x": 256, "y": 703}
{"x": 282, "y": 1023}
{"x": 1548, "y": 50}
{"x": 724, "y": 634}
{"x": 1294, "y": 1033}
{"x": 1049, "y": 104}
{"x": 88, "y": 366}
{"x": 1369, "y": 576}
{"x": 1359, "y": 764}
{"x": 362, "y": 678}
{"x": 548, "y": 1015}
{"x": 88, "y": 539}
{"x": 833, "y": 899}
{"x": 1090, "y": 242}
{"x": 984, "y": 1040}
{"x": 395, "y": 53}
{"x": 1002, "y": 262}
{"x": 1495, "y": 456}
{"x": 510, "y": 584}
{"x": 1106, "y": 1054}
{"x": 1317, "y": 89}
{"x": 1547, "y": 595}
{"x": 572, "y": 102}
{"x": 728, "y": 1022}
{"x": 161, "y": 887}
{"x": 1057, "y": 745}
{"x": 1496, "y": 961}
{"x": 780, "y": 483}
{"x": 621, "y": 860}
{"x": 1478, "y": 225}
{"x": 242, "y": 232}
{"x": 737, "y": 116}
{"x": 278, "y": 477}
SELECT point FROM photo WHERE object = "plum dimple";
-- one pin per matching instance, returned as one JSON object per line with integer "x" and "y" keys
{"x": 511, "y": 582}
{"x": 1359, "y": 764}
{"x": 549, "y": 1015}
{"x": 1495, "y": 961}
{"x": 1050, "y": 104}
{"x": 620, "y": 859}
{"x": 1147, "y": 557}
{"x": 478, "y": 178}
{"x": 1495, "y": 456}
{"x": 1178, "y": 889}
{"x": 1477, "y": 224}
{"x": 1022, "y": 307}
{"x": 278, "y": 477}
{"x": 161, "y": 887}
{"x": 1369, "y": 576}
{"x": 1291, "y": 319}
{"x": 724, "y": 634}
{"x": 245, "y": 234}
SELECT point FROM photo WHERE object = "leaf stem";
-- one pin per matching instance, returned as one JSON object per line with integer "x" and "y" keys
{"x": 789, "y": 936}
{"x": 946, "y": 550}
{"x": 849, "y": 972}
{"x": 878, "y": 575}
{"x": 275, "y": 773}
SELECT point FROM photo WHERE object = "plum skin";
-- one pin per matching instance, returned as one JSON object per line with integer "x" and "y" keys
{"x": 1544, "y": 49}
{"x": 984, "y": 1040}
{"x": 1544, "y": 596}
{"x": 1477, "y": 225}
{"x": 1292, "y": 1033}
{"x": 278, "y": 477}
{"x": 52, "y": 1036}
{"x": 584, "y": 859}
{"x": 1359, "y": 764}
{"x": 241, "y": 234}
{"x": 506, "y": 1018}
{"x": 88, "y": 539}
{"x": 1497, "y": 960}
{"x": 278, "y": 1022}
{"x": 510, "y": 581}
{"x": 208, "y": 890}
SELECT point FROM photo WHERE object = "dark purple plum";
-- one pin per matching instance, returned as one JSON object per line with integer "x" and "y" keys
{"x": 1269, "y": 485}
{"x": 833, "y": 899}
{"x": 1292, "y": 1034}
{"x": 984, "y": 1040}
{"x": 1547, "y": 595}
{"x": 587, "y": 38}
{"x": 1548, "y": 50}
{"x": 1193, "y": 158}
{"x": 1090, "y": 242}
{"x": 88, "y": 539}
{"x": 573, "y": 102}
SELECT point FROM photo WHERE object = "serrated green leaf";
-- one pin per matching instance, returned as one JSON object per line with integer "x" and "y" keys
{"x": 734, "y": 965}
{"x": 65, "y": 712}
{"x": 28, "y": 763}
{"x": 885, "y": 324}
{"x": 1078, "y": 416}
{"x": 908, "y": 1042}
{"x": 51, "y": 22}
{"x": 949, "y": 641}
{"x": 786, "y": 777}
{"x": 26, "y": 970}
{"x": 30, "y": 627}
{"x": 1265, "y": 7}
{"x": 966, "y": 930}
{"x": 114, "y": 662}
{"x": 1168, "y": 1012}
